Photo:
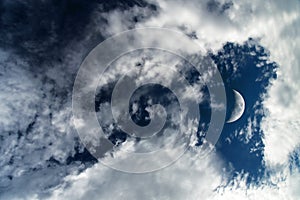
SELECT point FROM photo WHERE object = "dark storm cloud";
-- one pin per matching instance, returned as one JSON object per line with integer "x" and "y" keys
{"x": 42, "y": 28}
{"x": 216, "y": 6}
{"x": 42, "y": 44}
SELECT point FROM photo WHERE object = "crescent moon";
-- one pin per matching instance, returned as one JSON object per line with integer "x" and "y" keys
{"x": 239, "y": 107}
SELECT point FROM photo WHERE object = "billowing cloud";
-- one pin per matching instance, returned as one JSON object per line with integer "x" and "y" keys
{"x": 191, "y": 177}
{"x": 37, "y": 137}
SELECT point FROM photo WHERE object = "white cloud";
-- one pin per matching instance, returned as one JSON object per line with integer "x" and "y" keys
{"x": 190, "y": 177}
{"x": 34, "y": 128}
{"x": 275, "y": 23}
{"x": 280, "y": 186}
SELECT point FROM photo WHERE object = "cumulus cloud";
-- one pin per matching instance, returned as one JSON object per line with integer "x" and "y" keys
{"x": 32, "y": 134}
{"x": 191, "y": 177}
{"x": 41, "y": 50}
{"x": 269, "y": 21}
{"x": 212, "y": 25}
{"x": 35, "y": 121}
{"x": 276, "y": 25}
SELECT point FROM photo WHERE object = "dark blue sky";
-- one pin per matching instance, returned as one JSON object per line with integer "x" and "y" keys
{"x": 251, "y": 81}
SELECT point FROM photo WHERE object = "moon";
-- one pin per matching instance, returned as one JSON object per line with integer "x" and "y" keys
{"x": 238, "y": 108}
